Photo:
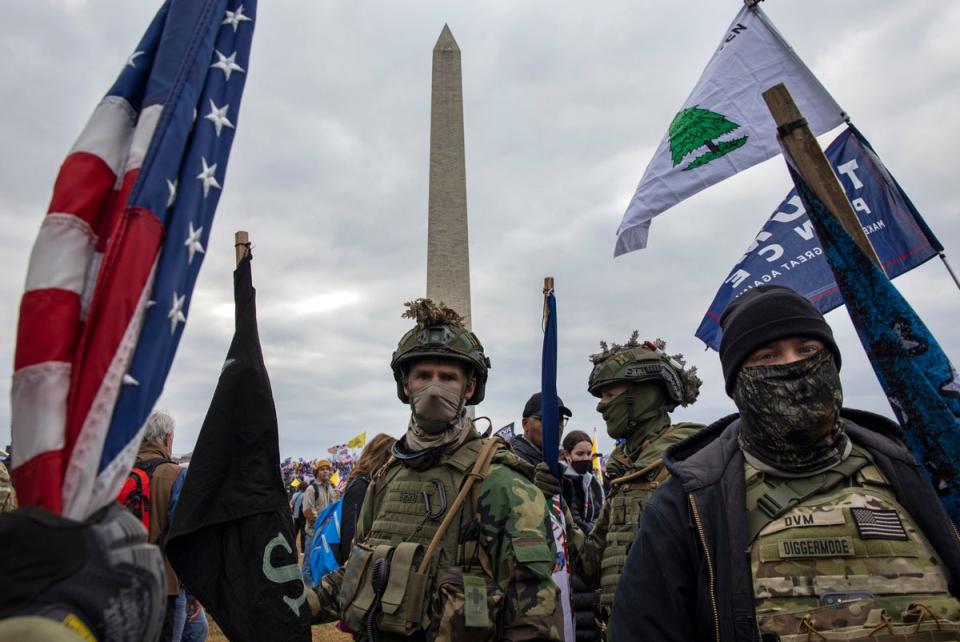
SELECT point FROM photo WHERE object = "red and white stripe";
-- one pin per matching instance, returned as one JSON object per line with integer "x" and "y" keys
{"x": 70, "y": 327}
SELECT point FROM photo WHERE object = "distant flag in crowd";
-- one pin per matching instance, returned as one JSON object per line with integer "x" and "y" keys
{"x": 594, "y": 454}
{"x": 724, "y": 127}
{"x": 788, "y": 252}
{"x": 232, "y": 541}
{"x": 920, "y": 382}
{"x": 506, "y": 433}
{"x": 550, "y": 449}
{"x": 112, "y": 270}
{"x": 359, "y": 441}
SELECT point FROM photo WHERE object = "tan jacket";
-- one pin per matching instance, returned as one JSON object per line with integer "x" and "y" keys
{"x": 317, "y": 497}
{"x": 160, "y": 487}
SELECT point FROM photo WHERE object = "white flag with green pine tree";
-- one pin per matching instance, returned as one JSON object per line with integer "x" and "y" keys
{"x": 724, "y": 126}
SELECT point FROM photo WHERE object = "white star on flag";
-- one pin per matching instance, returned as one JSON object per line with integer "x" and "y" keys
{"x": 128, "y": 380}
{"x": 952, "y": 387}
{"x": 193, "y": 242}
{"x": 227, "y": 63}
{"x": 132, "y": 58}
{"x": 176, "y": 312}
{"x": 207, "y": 176}
{"x": 172, "y": 186}
{"x": 234, "y": 18}
{"x": 218, "y": 116}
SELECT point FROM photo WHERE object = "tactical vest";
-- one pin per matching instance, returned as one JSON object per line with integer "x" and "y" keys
{"x": 837, "y": 557}
{"x": 624, "y": 505}
{"x": 408, "y": 508}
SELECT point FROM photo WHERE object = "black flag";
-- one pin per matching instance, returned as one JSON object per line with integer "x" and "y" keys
{"x": 231, "y": 541}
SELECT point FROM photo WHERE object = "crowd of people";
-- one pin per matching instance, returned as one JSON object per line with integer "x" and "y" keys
{"x": 794, "y": 519}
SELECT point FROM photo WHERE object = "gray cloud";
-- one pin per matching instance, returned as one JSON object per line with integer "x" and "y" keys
{"x": 564, "y": 106}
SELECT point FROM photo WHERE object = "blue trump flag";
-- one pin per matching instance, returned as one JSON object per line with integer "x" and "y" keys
{"x": 549, "y": 406}
{"x": 922, "y": 386}
{"x": 787, "y": 252}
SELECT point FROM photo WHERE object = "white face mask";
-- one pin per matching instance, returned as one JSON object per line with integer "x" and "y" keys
{"x": 436, "y": 406}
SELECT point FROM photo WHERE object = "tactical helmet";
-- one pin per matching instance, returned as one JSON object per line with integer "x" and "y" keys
{"x": 439, "y": 334}
{"x": 634, "y": 362}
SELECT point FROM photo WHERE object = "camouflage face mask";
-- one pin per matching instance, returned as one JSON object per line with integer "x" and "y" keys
{"x": 648, "y": 403}
{"x": 790, "y": 414}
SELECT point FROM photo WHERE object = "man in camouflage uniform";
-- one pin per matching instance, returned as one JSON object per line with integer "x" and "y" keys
{"x": 796, "y": 519}
{"x": 489, "y": 576}
{"x": 638, "y": 386}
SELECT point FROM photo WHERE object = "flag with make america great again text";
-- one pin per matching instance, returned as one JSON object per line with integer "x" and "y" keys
{"x": 787, "y": 251}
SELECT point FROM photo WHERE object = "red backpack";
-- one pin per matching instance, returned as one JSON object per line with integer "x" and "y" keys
{"x": 135, "y": 493}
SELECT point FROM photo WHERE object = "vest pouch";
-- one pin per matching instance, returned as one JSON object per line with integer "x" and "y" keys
{"x": 466, "y": 607}
{"x": 404, "y": 600}
{"x": 356, "y": 591}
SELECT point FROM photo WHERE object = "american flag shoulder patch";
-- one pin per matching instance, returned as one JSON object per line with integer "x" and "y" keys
{"x": 878, "y": 524}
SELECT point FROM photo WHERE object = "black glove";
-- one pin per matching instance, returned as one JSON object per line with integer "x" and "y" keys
{"x": 545, "y": 481}
{"x": 101, "y": 572}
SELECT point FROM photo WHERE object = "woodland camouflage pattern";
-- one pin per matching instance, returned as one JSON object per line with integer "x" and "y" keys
{"x": 904, "y": 574}
{"x": 513, "y": 535}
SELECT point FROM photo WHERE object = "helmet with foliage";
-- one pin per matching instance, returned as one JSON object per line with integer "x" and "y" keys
{"x": 635, "y": 362}
{"x": 439, "y": 334}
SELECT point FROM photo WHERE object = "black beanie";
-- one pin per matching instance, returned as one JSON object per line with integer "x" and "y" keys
{"x": 764, "y": 314}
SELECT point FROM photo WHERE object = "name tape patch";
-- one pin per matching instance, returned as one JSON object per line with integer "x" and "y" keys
{"x": 817, "y": 547}
{"x": 828, "y": 517}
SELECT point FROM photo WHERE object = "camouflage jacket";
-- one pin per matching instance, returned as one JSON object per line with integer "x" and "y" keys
{"x": 8, "y": 496}
{"x": 598, "y": 556}
{"x": 513, "y": 532}
{"x": 687, "y": 576}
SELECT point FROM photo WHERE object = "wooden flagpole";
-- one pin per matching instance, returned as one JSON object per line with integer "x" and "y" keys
{"x": 241, "y": 243}
{"x": 547, "y": 289}
{"x": 808, "y": 159}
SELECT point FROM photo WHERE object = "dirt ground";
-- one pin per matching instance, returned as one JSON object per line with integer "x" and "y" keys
{"x": 321, "y": 633}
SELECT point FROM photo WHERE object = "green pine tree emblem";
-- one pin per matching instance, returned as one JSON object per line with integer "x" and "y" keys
{"x": 693, "y": 128}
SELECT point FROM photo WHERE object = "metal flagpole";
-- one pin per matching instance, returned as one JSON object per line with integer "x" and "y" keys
{"x": 946, "y": 264}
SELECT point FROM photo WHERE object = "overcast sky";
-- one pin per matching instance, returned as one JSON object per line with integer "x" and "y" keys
{"x": 564, "y": 105}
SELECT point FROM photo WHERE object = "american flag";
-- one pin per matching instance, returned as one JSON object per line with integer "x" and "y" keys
{"x": 878, "y": 524}
{"x": 114, "y": 264}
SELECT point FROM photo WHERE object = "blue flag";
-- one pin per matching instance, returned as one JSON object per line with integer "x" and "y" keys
{"x": 550, "y": 449}
{"x": 922, "y": 386}
{"x": 549, "y": 406}
{"x": 787, "y": 252}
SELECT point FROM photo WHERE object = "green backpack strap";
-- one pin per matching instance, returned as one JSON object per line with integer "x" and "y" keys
{"x": 769, "y": 497}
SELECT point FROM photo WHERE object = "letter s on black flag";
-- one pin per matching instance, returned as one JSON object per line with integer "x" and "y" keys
{"x": 230, "y": 537}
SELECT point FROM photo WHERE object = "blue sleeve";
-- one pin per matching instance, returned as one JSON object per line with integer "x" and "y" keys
{"x": 175, "y": 493}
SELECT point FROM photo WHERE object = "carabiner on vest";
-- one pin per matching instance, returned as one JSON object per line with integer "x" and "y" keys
{"x": 442, "y": 495}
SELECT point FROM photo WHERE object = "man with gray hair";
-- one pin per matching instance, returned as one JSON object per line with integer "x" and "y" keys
{"x": 154, "y": 459}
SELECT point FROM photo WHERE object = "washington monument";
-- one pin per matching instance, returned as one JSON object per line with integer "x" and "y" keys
{"x": 448, "y": 252}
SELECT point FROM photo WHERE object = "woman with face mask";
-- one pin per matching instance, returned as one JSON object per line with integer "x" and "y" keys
{"x": 582, "y": 492}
